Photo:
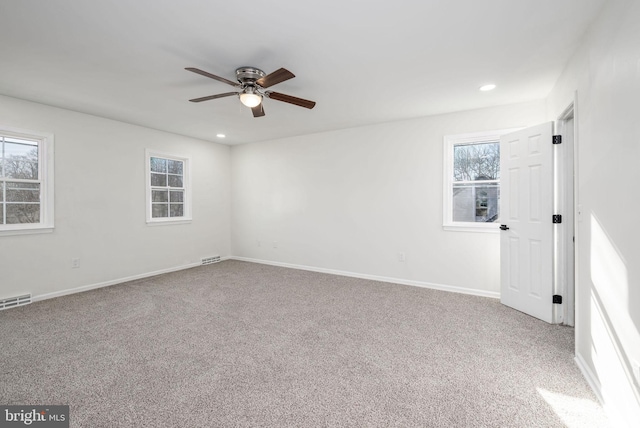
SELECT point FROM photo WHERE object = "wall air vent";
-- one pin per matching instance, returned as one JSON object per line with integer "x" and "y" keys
{"x": 11, "y": 302}
{"x": 210, "y": 260}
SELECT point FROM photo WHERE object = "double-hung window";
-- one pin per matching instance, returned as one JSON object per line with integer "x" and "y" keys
{"x": 472, "y": 181}
{"x": 168, "y": 188}
{"x": 26, "y": 182}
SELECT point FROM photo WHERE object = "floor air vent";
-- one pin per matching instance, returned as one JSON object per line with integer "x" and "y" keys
{"x": 15, "y": 301}
{"x": 210, "y": 260}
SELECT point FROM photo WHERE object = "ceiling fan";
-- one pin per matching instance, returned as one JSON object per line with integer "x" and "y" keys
{"x": 252, "y": 88}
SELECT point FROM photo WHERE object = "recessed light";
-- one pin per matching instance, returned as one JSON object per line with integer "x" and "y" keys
{"x": 489, "y": 87}
{"x": 220, "y": 135}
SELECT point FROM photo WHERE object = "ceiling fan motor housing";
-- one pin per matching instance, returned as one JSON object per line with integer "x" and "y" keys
{"x": 249, "y": 75}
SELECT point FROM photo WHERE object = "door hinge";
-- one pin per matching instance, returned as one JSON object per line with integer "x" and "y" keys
{"x": 557, "y": 139}
{"x": 557, "y": 299}
{"x": 557, "y": 218}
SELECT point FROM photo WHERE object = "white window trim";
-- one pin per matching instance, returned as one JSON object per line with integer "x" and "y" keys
{"x": 447, "y": 204}
{"x": 186, "y": 219}
{"x": 46, "y": 176}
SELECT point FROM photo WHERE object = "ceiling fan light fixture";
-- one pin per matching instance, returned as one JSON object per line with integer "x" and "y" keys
{"x": 250, "y": 98}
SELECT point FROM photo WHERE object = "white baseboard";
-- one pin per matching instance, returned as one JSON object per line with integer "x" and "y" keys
{"x": 422, "y": 284}
{"x": 592, "y": 380}
{"x": 115, "y": 281}
{"x": 441, "y": 287}
{"x": 619, "y": 414}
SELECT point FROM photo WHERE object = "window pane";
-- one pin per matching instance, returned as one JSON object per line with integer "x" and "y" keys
{"x": 17, "y": 147}
{"x": 158, "y": 180}
{"x": 160, "y": 196}
{"x": 175, "y": 167}
{"x": 23, "y": 192}
{"x": 20, "y": 185}
{"x": 20, "y": 159}
{"x": 16, "y": 140}
{"x": 1, "y": 213}
{"x": 473, "y": 162}
{"x": 177, "y": 210}
{"x": 158, "y": 165}
{"x": 177, "y": 196}
{"x": 159, "y": 210}
{"x": 23, "y": 213}
{"x": 476, "y": 202}
{"x": 175, "y": 181}
{"x": 1, "y": 192}
{"x": 20, "y": 168}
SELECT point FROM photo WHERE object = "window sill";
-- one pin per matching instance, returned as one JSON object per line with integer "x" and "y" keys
{"x": 30, "y": 231}
{"x": 484, "y": 228}
{"x": 168, "y": 222}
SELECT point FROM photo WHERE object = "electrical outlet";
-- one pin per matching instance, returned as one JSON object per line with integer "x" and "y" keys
{"x": 75, "y": 263}
{"x": 275, "y": 244}
{"x": 401, "y": 257}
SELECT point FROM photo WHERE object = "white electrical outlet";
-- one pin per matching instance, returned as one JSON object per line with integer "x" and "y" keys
{"x": 275, "y": 244}
{"x": 75, "y": 263}
{"x": 401, "y": 257}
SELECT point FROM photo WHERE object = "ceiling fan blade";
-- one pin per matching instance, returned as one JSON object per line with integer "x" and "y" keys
{"x": 213, "y": 76}
{"x": 291, "y": 100}
{"x": 213, "y": 97}
{"x": 276, "y": 77}
{"x": 258, "y": 111}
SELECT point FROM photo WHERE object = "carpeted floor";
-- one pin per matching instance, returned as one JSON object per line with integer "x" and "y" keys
{"x": 238, "y": 344}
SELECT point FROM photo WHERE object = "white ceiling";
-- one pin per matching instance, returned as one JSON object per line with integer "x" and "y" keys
{"x": 363, "y": 62}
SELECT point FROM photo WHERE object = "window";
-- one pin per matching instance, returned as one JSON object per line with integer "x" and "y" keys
{"x": 168, "y": 191}
{"x": 26, "y": 182}
{"x": 472, "y": 181}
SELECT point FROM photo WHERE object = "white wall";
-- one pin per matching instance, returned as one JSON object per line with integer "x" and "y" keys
{"x": 100, "y": 205}
{"x": 605, "y": 73}
{"x": 351, "y": 200}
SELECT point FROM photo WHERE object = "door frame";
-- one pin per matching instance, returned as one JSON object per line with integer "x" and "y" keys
{"x": 566, "y": 203}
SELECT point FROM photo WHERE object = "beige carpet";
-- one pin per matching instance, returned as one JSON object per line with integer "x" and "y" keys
{"x": 238, "y": 344}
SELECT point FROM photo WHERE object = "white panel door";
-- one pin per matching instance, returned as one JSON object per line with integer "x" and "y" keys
{"x": 526, "y": 213}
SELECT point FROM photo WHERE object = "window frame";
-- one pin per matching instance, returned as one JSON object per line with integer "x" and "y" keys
{"x": 465, "y": 139}
{"x": 46, "y": 152}
{"x": 186, "y": 185}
